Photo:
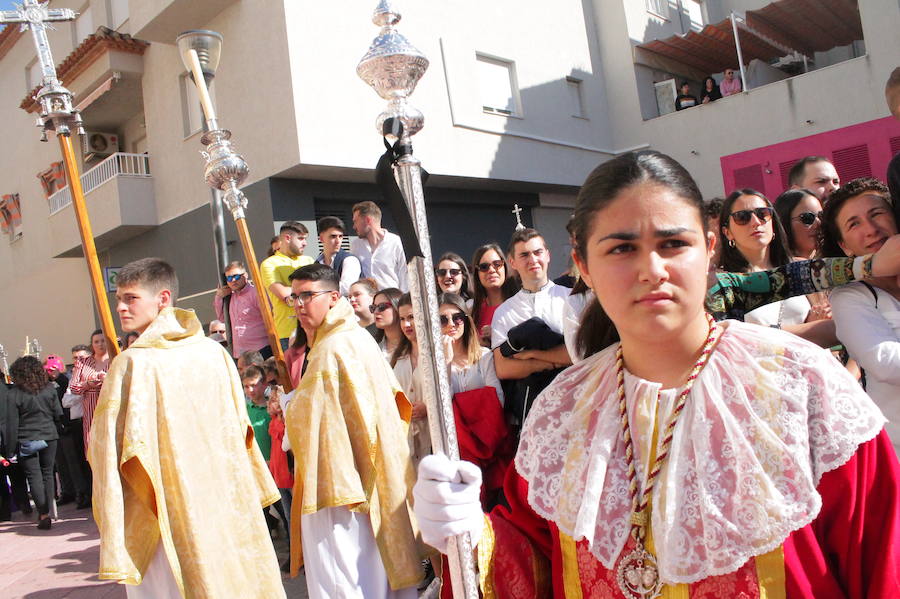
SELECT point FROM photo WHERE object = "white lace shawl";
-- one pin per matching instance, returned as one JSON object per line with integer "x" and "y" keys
{"x": 768, "y": 416}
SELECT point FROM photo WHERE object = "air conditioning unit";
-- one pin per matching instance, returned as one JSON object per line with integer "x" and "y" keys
{"x": 100, "y": 144}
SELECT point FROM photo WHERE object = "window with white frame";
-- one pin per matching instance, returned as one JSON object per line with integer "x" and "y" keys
{"x": 658, "y": 7}
{"x": 576, "y": 97}
{"x": 191, "y": 113}
{"x": 497, "y": 85}
{"x": 84, "y": 24}
{"x": 694, "y": 9}
{"x": 118, "y": 12}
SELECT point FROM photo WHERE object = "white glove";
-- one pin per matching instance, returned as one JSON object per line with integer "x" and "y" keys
{"x": 447, "y": 500}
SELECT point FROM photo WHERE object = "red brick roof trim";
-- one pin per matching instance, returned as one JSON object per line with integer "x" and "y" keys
{"x": 92, "y": 48}
{"x": 8, "y": 37}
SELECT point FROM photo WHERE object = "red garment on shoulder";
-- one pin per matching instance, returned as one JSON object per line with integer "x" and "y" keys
{"x": 483, "y": 436}
{"x": 278, "y": 463}
{"x": 850, "y": 551}
{"x": 293, "y": 359}
{"x": 486, "y": 316}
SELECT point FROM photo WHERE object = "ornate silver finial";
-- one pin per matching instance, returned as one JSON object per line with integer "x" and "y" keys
{"x": 393, "y": 67}
{"x": 386, "y": 14}
{"x": 225, "y": 169}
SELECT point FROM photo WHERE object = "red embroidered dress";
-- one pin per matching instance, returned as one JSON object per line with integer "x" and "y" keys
{"x": 770, "y": 488}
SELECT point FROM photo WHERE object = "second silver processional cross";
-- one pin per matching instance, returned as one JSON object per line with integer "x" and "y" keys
{"x": 393, "y": 67}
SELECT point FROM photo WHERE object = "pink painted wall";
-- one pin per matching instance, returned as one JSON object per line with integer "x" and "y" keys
{"x": 861, "y": 150}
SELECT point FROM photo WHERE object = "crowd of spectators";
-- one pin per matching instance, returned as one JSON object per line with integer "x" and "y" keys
{"x": 710, "y": 90}
{"x": 507, "y": 329}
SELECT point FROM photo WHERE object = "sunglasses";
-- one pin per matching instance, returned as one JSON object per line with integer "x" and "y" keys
{"x": 808, "y": 218}
{"x": 378, "y": 308}
{"x": 486, "y": 266}
{"x": 457, "y": 319}
{"x": 231, "y": 278}
{"x": 442, "y": 272}
{"x": 742, "y": 217}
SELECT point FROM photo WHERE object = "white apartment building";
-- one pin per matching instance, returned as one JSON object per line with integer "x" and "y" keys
{"x": 520, "y": 103}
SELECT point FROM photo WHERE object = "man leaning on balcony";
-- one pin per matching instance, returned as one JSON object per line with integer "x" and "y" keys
{"x": 237, "y": 295}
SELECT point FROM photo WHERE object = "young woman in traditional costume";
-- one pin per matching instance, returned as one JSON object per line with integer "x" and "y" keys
{"x": 681, "y": 458}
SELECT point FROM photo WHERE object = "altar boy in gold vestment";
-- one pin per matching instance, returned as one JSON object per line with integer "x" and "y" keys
{"x": 347, "y": 423}
{"x": 178, "y": 478}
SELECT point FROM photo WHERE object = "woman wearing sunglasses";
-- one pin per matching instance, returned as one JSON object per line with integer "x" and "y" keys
{"x": 800, "y": 211}
{"x": 753, "y": 240}
{"x": 681, "y": 457}
{"x": 492, "y": 286}
{"x": 452, "y": 275}
{"x": 477, "y": 396}
{"x": 384, "y": 309}
{"x": 858, "y": 220}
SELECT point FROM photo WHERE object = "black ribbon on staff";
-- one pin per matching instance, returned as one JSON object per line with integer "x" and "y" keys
{"x": 384, "y": 178}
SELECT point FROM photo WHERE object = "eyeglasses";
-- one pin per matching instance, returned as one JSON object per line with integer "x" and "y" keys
{"x": 457, "y": 319}
{"x": 742, "y": 217}
{"x": 442, "y": 272}
{"x": 231, "y": 278}
{"x": 299, "y": 299}
{"x": 379, "y": 308}
{"x": 808, "y": 218}
{"x": 486, "y": 266}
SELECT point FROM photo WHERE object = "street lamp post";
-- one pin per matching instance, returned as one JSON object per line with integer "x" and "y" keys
{"x": 225, "y": 169}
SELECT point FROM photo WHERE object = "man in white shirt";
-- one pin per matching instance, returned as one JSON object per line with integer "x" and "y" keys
{"x": 379, "y": 250}
{"x": 539, "y": 298}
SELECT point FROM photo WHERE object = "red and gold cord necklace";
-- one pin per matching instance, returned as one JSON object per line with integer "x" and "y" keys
{"x": 637, "y": 572}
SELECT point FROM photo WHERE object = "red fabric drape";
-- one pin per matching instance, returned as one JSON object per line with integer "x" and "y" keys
{"x": 483, "y": 436}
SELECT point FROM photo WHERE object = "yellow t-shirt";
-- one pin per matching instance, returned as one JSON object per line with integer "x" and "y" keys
{"x": 277, "y": 269}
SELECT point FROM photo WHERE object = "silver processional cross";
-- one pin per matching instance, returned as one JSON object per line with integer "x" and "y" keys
{"x": 518, "y": 212}
{"x": 57, "y": 112}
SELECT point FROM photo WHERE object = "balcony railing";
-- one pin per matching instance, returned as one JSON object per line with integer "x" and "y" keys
{"x": 120, "y": 164}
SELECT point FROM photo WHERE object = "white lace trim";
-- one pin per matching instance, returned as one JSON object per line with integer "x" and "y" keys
{"x": 768, "y": 416}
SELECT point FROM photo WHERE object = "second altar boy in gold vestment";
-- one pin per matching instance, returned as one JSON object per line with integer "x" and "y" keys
{"x": 347, "y": 423}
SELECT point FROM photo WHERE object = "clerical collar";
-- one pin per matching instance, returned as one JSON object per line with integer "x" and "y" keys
{"x": 546, "y": 285}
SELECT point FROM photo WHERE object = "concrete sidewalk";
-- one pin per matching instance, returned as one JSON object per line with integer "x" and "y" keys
{"x": 62, "y": 563}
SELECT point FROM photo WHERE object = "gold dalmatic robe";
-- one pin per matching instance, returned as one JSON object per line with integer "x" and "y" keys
{"x": 174, "y": 461}
{"x": 347, "y": 425}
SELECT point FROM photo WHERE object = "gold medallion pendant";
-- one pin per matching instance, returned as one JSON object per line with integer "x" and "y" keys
{"x": 638, "y": 576}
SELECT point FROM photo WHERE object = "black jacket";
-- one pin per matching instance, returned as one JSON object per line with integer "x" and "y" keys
{"x": 32, "y": 416}
{"x": 534, "y": 333}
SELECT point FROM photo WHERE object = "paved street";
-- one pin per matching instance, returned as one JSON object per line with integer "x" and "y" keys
{"x": 61, "y": 563}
